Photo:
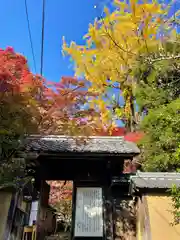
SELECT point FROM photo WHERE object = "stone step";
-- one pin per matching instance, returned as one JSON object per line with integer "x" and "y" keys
{"x": 60, "y": 236}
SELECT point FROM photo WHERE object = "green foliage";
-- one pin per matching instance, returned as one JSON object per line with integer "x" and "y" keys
{"x": 12, "y": 170}
{"x": 175, "y": 194}
{"x": 162, "y": 138}
{"x": 158, "y": 95}
{"x": 158, "y": 84}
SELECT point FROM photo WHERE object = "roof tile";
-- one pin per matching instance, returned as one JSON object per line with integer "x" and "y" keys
{"x": 156, "y": 179}
{"x": 70, "y": 144}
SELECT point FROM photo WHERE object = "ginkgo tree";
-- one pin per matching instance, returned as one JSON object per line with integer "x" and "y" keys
{"x": 114, "y": 45}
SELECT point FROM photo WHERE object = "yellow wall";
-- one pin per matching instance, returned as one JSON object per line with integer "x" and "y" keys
{"x": 5, "y": 200}
{"x": 161, "y": 219}
{"x": 140, "y": 220}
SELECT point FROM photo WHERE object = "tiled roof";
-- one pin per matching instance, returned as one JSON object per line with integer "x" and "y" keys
{"x": 70, "y": 144}
{"x": 156, "y": 179}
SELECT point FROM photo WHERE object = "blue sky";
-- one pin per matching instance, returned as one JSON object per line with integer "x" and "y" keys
{"x": 67, "y": 18}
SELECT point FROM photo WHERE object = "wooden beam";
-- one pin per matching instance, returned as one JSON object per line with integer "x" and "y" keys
{"x": 85, "y": 155}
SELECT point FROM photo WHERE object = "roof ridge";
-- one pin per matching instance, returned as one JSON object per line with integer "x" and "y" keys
{"x": 68, "y": 136}
{"x": 154, "y": 173}
{"x": 59, "y": 143}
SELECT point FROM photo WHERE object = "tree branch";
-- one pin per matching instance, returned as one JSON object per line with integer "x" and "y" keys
{"x": 115, "y": 43}
{"x": 111, "y": 85}
{"x": 172, "y": 57}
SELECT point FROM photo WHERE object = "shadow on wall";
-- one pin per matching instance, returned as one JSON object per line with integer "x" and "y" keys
{"x": 124, "y": 219}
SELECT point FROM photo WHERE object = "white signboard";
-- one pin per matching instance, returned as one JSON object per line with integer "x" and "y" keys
{"x": 89, "y": 212}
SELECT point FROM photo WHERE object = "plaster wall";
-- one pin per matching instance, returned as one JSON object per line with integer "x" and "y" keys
{"x": 160, "y": 216}
{"x": 5, "y": 200}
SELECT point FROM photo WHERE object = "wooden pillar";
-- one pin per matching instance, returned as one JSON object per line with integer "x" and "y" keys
{"x": 108, "y": 209}
{"x": 73, "y": 209}
{"x": 43, "y": 202}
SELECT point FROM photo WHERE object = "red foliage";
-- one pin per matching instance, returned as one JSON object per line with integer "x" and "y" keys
{"x": 134, "y": 136}
{"x": 121, "y": 131}
{"x": 14, "y": 73}
{"x": 57, "y": 107}
{"x": 129, "y": 166}
{"x": 118, "y": 131}
{"x": 64, "y": 103}
{"x": 59, "y": 191}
